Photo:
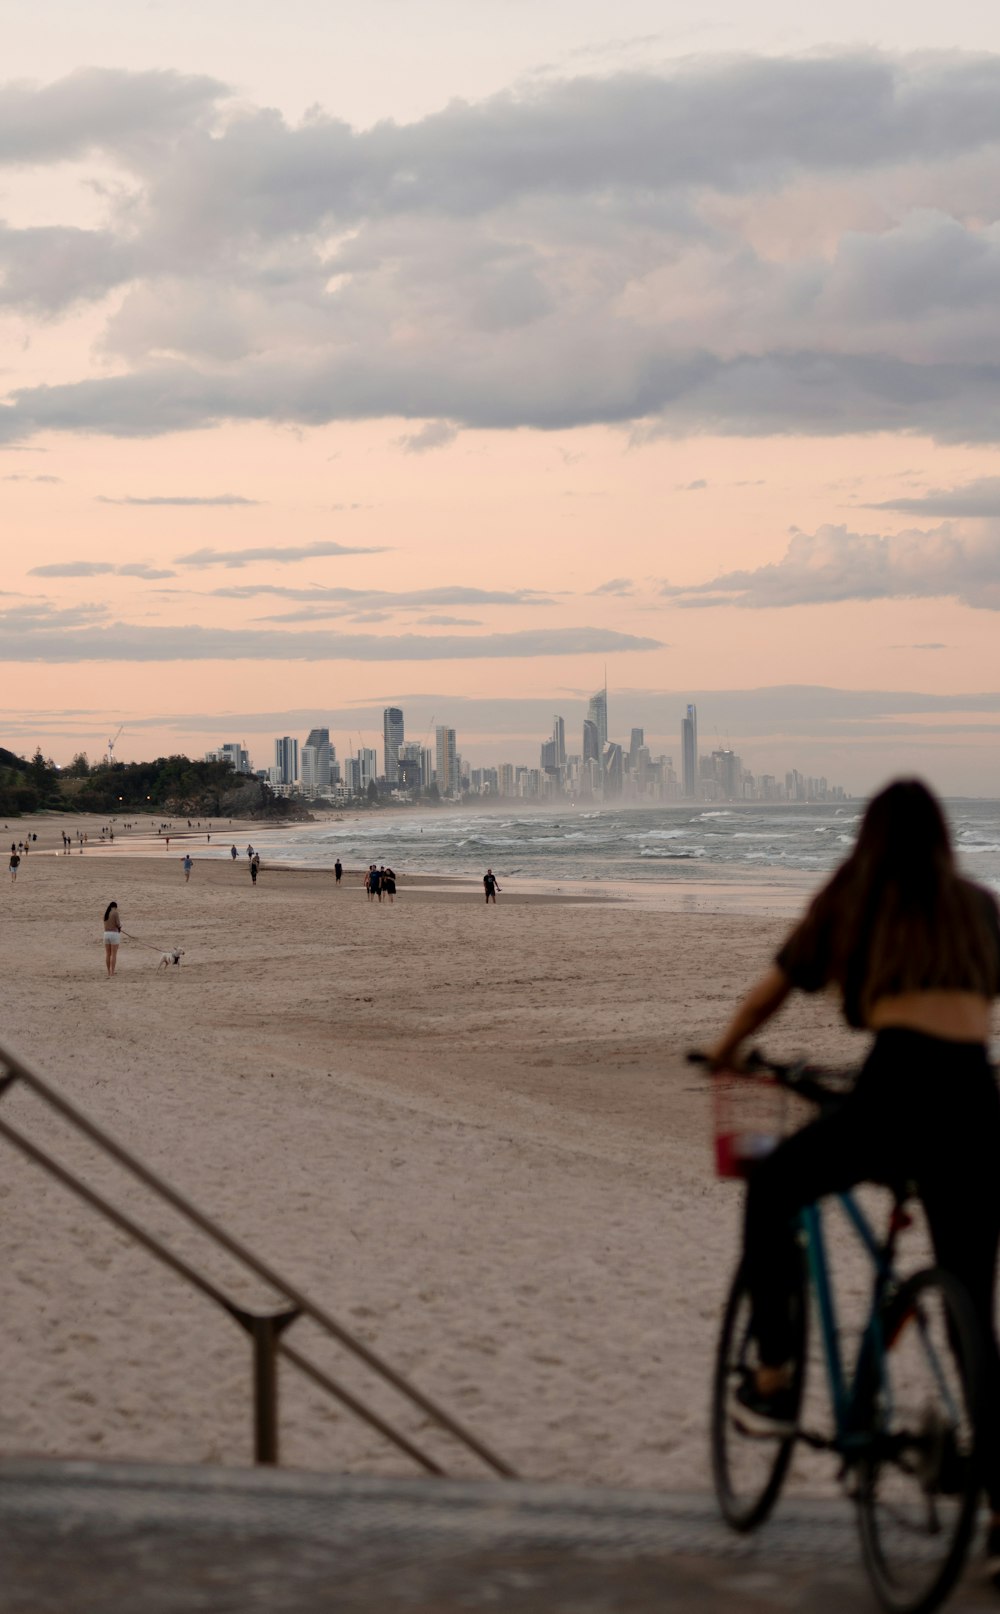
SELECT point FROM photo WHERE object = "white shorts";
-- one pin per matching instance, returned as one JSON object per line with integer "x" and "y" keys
{"x": 112, "y": 938}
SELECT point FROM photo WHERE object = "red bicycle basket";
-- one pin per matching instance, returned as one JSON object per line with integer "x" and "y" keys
{"x": 749, "y": 1119}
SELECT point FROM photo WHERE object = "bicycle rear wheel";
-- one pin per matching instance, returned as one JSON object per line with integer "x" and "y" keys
{"x": 749, "y": 1470}
{"x": 919, "y": 1482}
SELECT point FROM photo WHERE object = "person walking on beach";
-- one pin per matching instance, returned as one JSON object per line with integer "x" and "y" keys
{"x": 913, "y": 950}
{"x": 233, "y": 853}
{"x": 112, "y": 936}
{"x": 187, "y": 866}
{"x": 388, "y": 884}
{"x": 338, "y": 869}
{"x": 375, "y": 883}
{"x": 490, "y": 886}
{"x": 13, "y": 865}
{"x": 254, "y": 867}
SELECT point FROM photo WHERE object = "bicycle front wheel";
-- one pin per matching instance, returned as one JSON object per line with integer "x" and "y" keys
{"x": 749, "y": 1470}
{"x": 919, "y": 1480}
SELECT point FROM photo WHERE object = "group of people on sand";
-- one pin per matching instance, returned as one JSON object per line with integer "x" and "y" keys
{"x": 379, "y": 882}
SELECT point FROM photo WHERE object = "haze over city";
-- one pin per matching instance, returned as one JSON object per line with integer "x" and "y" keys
{"x": 443, "y": 356}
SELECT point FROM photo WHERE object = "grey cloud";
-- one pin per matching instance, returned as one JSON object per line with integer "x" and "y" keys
{"x": 99, "y": 568}
{"x": 407, "y": 599}
{"x": 978, "y": 498}
{"x": 615, "y": 585}
{"x": 691, "y": 487}
{"x": 928, "y": 646}
{"x": 23, "y": 639}
{"x": 435, "y": 434}
{"x": 121, "y": 112}
{"x": 49, "y": 267}
{"x": 448, "y": 622}
{"x": 835, "y": 564}
{"x": 181, "y": 499}
{"x": 40, "y": 620}
{"x": 21, "y": 477}
{"x": 573, "y": 253}
{"x": 283, "y": 554}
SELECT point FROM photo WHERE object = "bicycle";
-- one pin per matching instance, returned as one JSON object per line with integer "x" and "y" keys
{"x": 904, "y": 1414}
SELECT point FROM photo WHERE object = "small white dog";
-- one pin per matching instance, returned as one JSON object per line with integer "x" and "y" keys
{"x": 174, "y": 956}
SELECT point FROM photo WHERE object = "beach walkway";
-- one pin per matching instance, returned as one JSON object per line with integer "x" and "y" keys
{"x": 110, "y": 1538}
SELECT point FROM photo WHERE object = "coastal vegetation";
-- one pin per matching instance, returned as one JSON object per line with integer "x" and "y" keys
{"x": 167, "y": 785}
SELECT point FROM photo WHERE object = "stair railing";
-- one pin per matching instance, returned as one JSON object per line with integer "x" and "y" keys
{"x": 266, "y": 1330}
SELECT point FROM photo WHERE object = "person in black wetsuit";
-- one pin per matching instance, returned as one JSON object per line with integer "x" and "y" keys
{"x": 338, "y": 869}
{"x": 913, "y": 950}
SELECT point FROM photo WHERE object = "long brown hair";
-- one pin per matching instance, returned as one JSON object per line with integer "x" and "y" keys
{"x": 898, "y": 915}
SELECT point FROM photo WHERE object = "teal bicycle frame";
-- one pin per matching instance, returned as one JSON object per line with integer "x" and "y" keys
{"x": 851, "y": 1435}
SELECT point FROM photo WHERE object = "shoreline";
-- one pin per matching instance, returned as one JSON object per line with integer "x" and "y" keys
{"x": 716, "y": 887}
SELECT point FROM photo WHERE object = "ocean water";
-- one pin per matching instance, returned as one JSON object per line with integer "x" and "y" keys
{"x": 630, "y": 845}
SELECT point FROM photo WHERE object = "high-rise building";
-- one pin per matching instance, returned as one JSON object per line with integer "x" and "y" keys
{"x": 689, "y": 753}
{"x": 315, "y": 760}
{"x": 559, "y": 741}
{"x": 232, "y": 752}
{"x": 636, "y": 744}
{"x": 447, "y": 761}
{"x": 392, "y": 739}
{"x": 286, "y": 760}
{"x": 613, "y": 770}
{"x": 367, "y": 768}
{"x": 597, "y": 713}
{"x": 591, "y": 741}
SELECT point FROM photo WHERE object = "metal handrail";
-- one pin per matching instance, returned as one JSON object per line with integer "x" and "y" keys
{"x": 265, "y": 1330}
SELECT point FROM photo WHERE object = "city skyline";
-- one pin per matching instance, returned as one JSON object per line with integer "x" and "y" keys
{"x": 331, "y": 385}
{"x": 619, "y": 773}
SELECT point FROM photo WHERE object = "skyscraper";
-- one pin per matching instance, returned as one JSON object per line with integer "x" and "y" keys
{"x": 689, "y": 753}
{"x": 635, "y": 746}
{"x": 315, "y": 761}
{"x": 447, "y": 761}
{"x": 613, "y": 770}
{"x": 591, "y": 741}
{"x": 286, "y": 760}
{"x": 367, "y": 765}
{"x": 392, "y": 738}
{"x": 559, "y": 741}
{"x": 597, "y": 713}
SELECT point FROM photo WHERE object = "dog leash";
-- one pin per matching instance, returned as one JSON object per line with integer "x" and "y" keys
{"x": 150, "y": 945}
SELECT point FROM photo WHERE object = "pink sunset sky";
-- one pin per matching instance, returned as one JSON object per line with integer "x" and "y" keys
{"x": 443, "y": 355}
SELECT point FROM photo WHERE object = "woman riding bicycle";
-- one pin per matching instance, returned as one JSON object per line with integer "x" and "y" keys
{"x": 914, "y": 952}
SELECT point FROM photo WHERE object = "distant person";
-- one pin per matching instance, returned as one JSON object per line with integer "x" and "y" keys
{"x": 490, "y": 886}
{"x": 254, "y": 868}
{"x": 249, "y": 851}
{"x": 13, "y": 865}
{"x": 374, "y": 883}
{"x": 338, "y": 869}
{"x": 112, "y": 936}
{"x": 389, "y": 884}
{"x": 233, "y": 853}
{"x": 187, "y": 865}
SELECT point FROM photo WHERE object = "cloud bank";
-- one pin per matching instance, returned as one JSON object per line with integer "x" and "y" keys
{"x": 807, "y": 245}
{"x": 834, "y": 564}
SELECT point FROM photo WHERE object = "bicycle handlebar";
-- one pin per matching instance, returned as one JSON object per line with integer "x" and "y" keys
{"x": 819, "y": 1085}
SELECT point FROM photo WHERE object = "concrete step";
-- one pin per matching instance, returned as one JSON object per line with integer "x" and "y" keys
{"x": 119, "y": 1538}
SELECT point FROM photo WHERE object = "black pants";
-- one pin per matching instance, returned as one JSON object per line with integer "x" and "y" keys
{"x": 926, "y": 1110}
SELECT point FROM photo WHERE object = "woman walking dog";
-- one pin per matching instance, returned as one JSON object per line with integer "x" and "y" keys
{"x": 112, "y": 936}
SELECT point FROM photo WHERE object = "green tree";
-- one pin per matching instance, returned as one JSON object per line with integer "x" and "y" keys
{"x": 372, "y": 793}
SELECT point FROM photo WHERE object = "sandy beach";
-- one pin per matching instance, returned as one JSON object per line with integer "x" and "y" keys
{"x": 469, "y": 1132}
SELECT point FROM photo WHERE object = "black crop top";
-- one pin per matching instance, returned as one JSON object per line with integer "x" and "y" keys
{"x": 807, "y": 956}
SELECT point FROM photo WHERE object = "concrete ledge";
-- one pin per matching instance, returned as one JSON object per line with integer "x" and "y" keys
{"x": 115, "y": 1538}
